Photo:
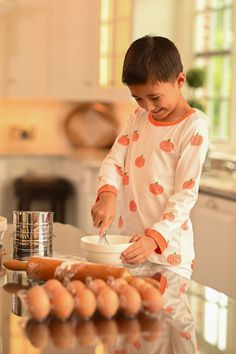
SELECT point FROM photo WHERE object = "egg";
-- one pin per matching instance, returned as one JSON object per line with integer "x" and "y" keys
{"x": 130, "y": 300}
{"x": 115, "y": 284}
{"x": 107, "y": 302}
{"x": 38, "y": 302}
{"x": 107, "y": 331}
{"x": 37, "y": 333}
{"x": 85, "y": 303}
{"x": 75, "y": 286}
{"x": 151, "y": 298}
{"x": 62, "y": 334}
{"x": 62, "y": 304}
{"x": 86, "y": 333}
{"x": 137, "y": 282}
{"x": 95, "y": 285}
{"x": 52, "y": 285}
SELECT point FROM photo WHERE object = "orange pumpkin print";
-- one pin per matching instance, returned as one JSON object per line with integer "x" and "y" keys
{"x": 185, "y": 225}
{"x": 168, "y": 309}
{"x": 168, "y": 216}
{"x": 183, "y": 288}
{"x": 185, "y": 335}
{"x": 132, "y": 206}
{"x": 125, "y": 179}
{"x": 139, "y": 162}
{"x": 189, "y": 184}
{"x": 156, "y": 188}
{"x": 166, "y": 145}
{"x": 135, "y": 135}
{"x": 123, "y": 140}
{"x": 120, "y": 222}
{"x": 196, "y": 140}
{"x": 174, "y": 259}
{"x": 119, "y": 170}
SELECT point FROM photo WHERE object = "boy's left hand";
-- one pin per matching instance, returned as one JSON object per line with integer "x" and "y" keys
{"x": 140, "y": 250}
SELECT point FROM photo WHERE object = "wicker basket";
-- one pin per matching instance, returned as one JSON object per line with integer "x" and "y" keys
{"x": 91, "y": 125}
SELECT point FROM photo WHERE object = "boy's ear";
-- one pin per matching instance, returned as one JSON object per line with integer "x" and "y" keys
{"x": 181, "y": 80}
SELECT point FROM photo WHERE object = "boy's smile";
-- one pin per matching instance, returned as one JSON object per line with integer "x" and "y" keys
{"x": 162, "y": 99}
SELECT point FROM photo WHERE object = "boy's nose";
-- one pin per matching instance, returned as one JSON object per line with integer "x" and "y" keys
{"x": 149, "y": 106}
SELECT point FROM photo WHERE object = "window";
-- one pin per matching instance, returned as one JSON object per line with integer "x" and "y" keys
{"x": 115, "y": 34}
{"x": 213, "y": 51}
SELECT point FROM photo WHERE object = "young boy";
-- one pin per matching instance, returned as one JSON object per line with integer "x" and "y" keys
{"x": 156, "y": 161}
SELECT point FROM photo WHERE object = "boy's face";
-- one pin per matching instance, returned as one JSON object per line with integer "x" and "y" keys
{"x": 162, "y": 99}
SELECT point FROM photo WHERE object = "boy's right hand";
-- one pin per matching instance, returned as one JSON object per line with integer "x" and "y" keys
{"x": 103, "y": 211}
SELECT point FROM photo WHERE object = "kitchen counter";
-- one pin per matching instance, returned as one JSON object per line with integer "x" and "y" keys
{"x": 219, "y": 183}
{"x": 190, "y": 310}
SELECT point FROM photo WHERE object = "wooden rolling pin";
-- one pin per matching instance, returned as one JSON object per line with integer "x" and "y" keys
{"x": 44, "y": 268}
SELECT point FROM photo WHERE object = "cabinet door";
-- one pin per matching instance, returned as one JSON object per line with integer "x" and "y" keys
{"x": 74, "y": 48}
{"x": 214, "y": 224}
{"x": 26, "y": 45}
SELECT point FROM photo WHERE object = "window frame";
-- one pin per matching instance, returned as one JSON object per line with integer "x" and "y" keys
{"x": 184, "y": 40}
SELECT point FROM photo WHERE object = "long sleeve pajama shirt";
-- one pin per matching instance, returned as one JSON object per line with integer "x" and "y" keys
{"x": 157, "y": 167}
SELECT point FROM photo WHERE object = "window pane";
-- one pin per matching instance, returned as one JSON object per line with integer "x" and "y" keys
{"x": 216, "y": 33}
{"x": 201, "y": 4}
{"x": 199, "y": 42}
{"x": 105, "y": 71}
{"x": 213, "y": 44}
{"x": 106, "y": 10}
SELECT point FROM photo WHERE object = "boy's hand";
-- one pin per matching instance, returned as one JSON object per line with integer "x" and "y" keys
{"x": 103, "y": 211}
{"x": 140, "y": 251}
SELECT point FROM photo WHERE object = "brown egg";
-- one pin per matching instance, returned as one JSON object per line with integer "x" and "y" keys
{"x": 52, "y": 285}
{"x": 85, "y": 303}
{"x": 151, "y": 298}
{"x": 107, "y": 331}
{"x": 115, "y": 284}
{"x": 107, "y": 302}
{"x": 37, "y": 333}
{"x": 62, "y": 304}
{"x": 130, "y": 300}
{"x": 85, "y": 331}
{"x": 137, "y": 282}
{"x": 38, "y": 302}
{"x": 95, "y": 285}
{"x": 62, "y": 333}
{"x": 151, "y": 327}
{"x": 75, "y": 286}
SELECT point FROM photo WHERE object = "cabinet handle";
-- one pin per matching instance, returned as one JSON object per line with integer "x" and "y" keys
{"x": 211, "y": 204}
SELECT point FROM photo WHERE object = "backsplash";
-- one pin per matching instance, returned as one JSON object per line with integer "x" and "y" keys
{"x": 37, "y": 127}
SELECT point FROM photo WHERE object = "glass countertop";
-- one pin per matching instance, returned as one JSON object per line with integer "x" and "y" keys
{"x": 194, "y": 319}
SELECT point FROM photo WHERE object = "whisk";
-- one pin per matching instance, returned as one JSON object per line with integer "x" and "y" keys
{"x": 103, "y": 239}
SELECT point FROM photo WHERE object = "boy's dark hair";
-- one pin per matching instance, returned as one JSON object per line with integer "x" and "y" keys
{"x": 151, "y": 58}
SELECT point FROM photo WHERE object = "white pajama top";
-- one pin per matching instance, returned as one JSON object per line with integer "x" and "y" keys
{"x": 157, "y": 167}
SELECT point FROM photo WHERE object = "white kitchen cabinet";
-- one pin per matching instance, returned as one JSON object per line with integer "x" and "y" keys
{"x": 74, "y": 48}
{"x": 214, "y": 223}
{"x": 52, "y": 49}
{"x": 25, "y": 45}
{"x": 89, "y": 40}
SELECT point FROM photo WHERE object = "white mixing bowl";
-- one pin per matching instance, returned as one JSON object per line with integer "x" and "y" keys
{"x": 107, "y": 254}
